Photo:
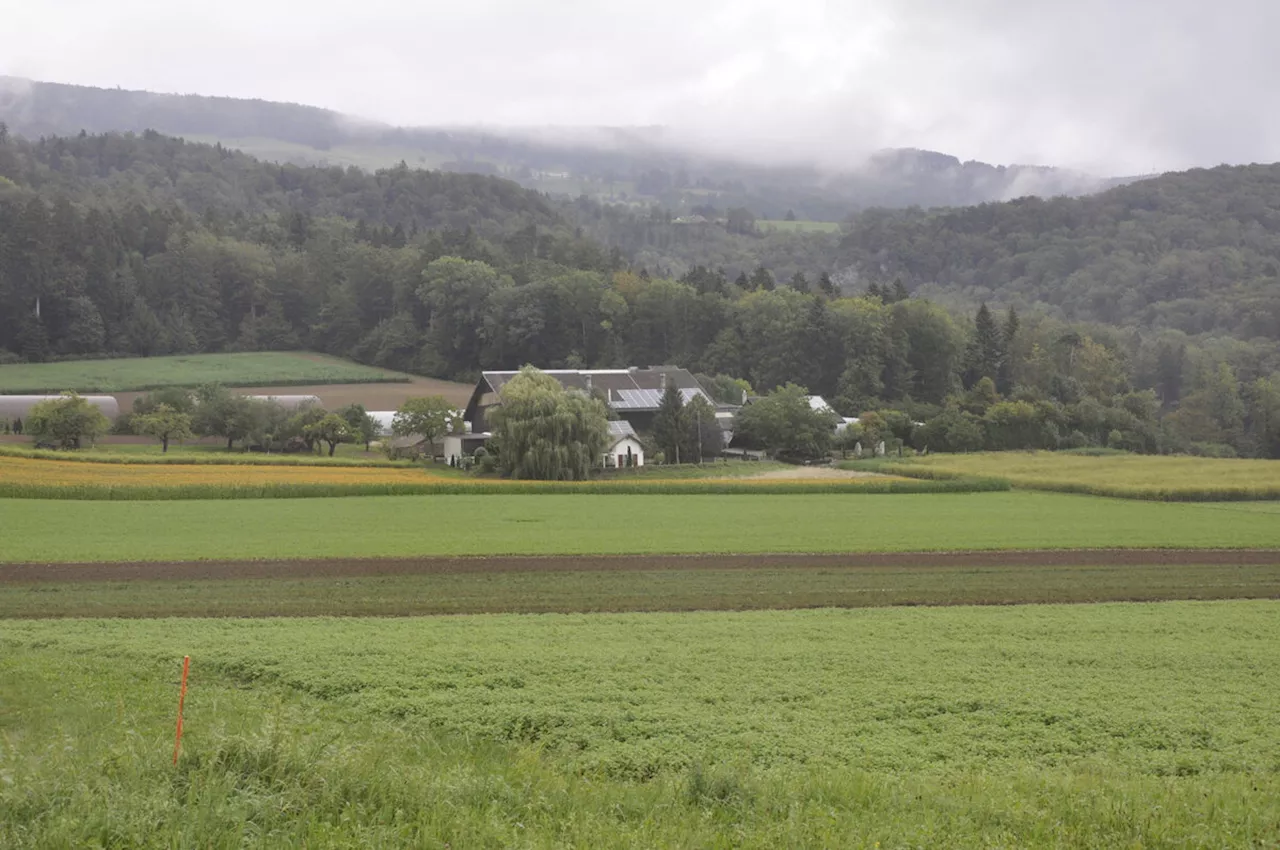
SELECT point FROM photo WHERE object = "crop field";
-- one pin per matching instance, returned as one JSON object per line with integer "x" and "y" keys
{"x": 415, "y": 588}
{"x": 556, "y": 524}
{"x": 1174, "y": 478}
{"x": 260, "y": 370}
{"x": 1104, "y": 725}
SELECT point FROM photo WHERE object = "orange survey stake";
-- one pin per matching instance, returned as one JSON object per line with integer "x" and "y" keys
{"x": 182, "y": 697}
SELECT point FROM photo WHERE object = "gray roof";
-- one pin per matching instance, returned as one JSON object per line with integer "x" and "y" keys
{"x": 631, "y": 389}
{"x": 621, "y": 428}
{"x": 18, "y": 406}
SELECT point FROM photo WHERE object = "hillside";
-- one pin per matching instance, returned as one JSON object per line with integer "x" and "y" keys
{"x": 630, "y": 166}
{"x": 128, "y": 245}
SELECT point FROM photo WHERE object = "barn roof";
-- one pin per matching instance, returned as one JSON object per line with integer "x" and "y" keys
{"x": 631, "y": 390}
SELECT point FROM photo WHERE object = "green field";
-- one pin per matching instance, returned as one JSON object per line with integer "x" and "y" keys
{"x": 784, "y": 226}
{"x": 1168, "y": 478}
{"x": 260, "y": 369}
{"x": 591, "y": 524}
{"x": 686, "y": 589}
{"x": 1100, "y": 726}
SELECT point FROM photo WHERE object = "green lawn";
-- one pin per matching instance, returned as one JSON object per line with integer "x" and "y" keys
{"x": 259, "y": 369}
{"x": 1063, "y": 726}
{"x": 640, "y": 590}
{"x": 50, "y": 530}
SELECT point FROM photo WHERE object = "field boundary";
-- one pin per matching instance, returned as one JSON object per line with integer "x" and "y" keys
{"x": 38, "y": 572}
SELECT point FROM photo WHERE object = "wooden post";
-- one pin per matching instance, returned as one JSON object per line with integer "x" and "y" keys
{"x": 182, "y": 697}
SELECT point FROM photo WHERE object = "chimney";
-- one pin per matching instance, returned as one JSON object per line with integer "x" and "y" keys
{"x": 587, "y": 377}
{"x": 662, "y": 381}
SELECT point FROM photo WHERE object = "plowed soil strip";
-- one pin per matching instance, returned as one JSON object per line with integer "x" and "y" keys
{"x": 355, "y": 567}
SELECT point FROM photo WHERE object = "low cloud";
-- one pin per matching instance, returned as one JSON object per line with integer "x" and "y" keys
{"x": 1106, "y": 87}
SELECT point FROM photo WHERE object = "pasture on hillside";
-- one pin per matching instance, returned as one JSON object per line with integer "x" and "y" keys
{"x": 1101, "y": 726}
{"x": 552, "y": 524}
{"x": 266, "y": 369}
{"x": 1163, "y": 477}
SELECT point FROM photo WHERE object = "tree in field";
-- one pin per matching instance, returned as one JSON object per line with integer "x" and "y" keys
{"x": 429, "y": 417}
{"x": 783, "y": 422}
{"x": 165, "y": 423}
{"x": 362, "y": 425}
{"x": 1007, "y": 376}
{"x": 332, "y": 429}
{"x": 541, "y": 431}
{"x": 216, "y": 408}
{"x": 706, "y": 438}
{"x": 670, "y": 430}
{"x": 300, "y": 422}
{"x": 66, "y": 421}
{"x": 986, "y": 351}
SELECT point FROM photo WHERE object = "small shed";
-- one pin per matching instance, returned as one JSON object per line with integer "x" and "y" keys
{"x": 18, "y": 407}
{"x": 624, "y": 448}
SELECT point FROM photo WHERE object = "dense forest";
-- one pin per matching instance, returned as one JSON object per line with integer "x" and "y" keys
{"x": 122, "y": 244}
{"x": 635, "y": 166}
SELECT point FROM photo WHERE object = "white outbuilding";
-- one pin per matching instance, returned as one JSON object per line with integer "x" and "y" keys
{"x": 624, "y": 448}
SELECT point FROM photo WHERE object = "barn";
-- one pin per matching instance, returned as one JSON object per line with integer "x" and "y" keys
{"x": 15, "y": 408}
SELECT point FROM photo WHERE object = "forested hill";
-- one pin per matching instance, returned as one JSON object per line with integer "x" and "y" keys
{"x": 148, "y": 245}
{"x": 635, "y": 166}
{"x": 1197, "y": 251}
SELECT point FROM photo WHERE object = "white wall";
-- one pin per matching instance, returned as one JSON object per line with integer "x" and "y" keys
{"x": 637, "y": 451}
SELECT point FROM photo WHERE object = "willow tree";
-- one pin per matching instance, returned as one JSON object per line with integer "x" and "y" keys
{"x": 542, "y": 431}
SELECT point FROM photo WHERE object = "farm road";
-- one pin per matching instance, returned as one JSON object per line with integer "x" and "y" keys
{"x": 15, "y": 573}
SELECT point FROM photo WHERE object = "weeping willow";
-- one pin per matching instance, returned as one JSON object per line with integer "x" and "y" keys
{"x": 542, "y": 431}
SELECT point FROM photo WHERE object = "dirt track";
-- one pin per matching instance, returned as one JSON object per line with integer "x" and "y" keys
{"x": 188, "y": 570}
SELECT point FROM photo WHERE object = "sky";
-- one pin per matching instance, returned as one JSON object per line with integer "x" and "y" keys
{"x": 1116, "y": 87}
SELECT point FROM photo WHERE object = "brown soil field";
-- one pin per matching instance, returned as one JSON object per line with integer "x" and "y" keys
{"x": 381, "y": 396}
{"x": 360, "y": 567}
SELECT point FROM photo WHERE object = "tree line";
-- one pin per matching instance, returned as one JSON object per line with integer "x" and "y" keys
{"x": 148, "y": 245}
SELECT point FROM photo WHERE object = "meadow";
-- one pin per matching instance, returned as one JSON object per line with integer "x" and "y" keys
{"x": 553, "y": 524}
{"x": 1099, "y": 726}
{"x": 1166, "y": 478}
{"x": 682, "y": 587}
{"x": 257, "y": 369}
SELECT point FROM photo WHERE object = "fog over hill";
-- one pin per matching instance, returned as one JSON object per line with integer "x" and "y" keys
{"x": 637, "y": 166}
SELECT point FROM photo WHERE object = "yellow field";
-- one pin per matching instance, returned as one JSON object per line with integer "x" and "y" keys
{"x": 1134, "y": 476}
{"x": 43, "y": 478}
{"x": 31, "y": 471}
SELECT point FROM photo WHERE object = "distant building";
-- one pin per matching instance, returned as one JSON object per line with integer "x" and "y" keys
{"x": 632, "y": 394}
{"x": 15, "y": 407}
{"x": 625, "y": 449}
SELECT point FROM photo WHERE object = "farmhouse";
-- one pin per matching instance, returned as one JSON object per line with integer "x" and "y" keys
{"x": 624, "y": 449}
{"x": 633, "y": 394}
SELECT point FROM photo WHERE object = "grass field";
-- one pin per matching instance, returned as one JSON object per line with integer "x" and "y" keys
{"x": 261, "y": 369}
{"x": 1121, "y": 475}
{"x": 567, "y": 524}
{"x": 1098, "y": 726}
{"x": 686, "y": 589}
{"x": 798, "y": 226}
